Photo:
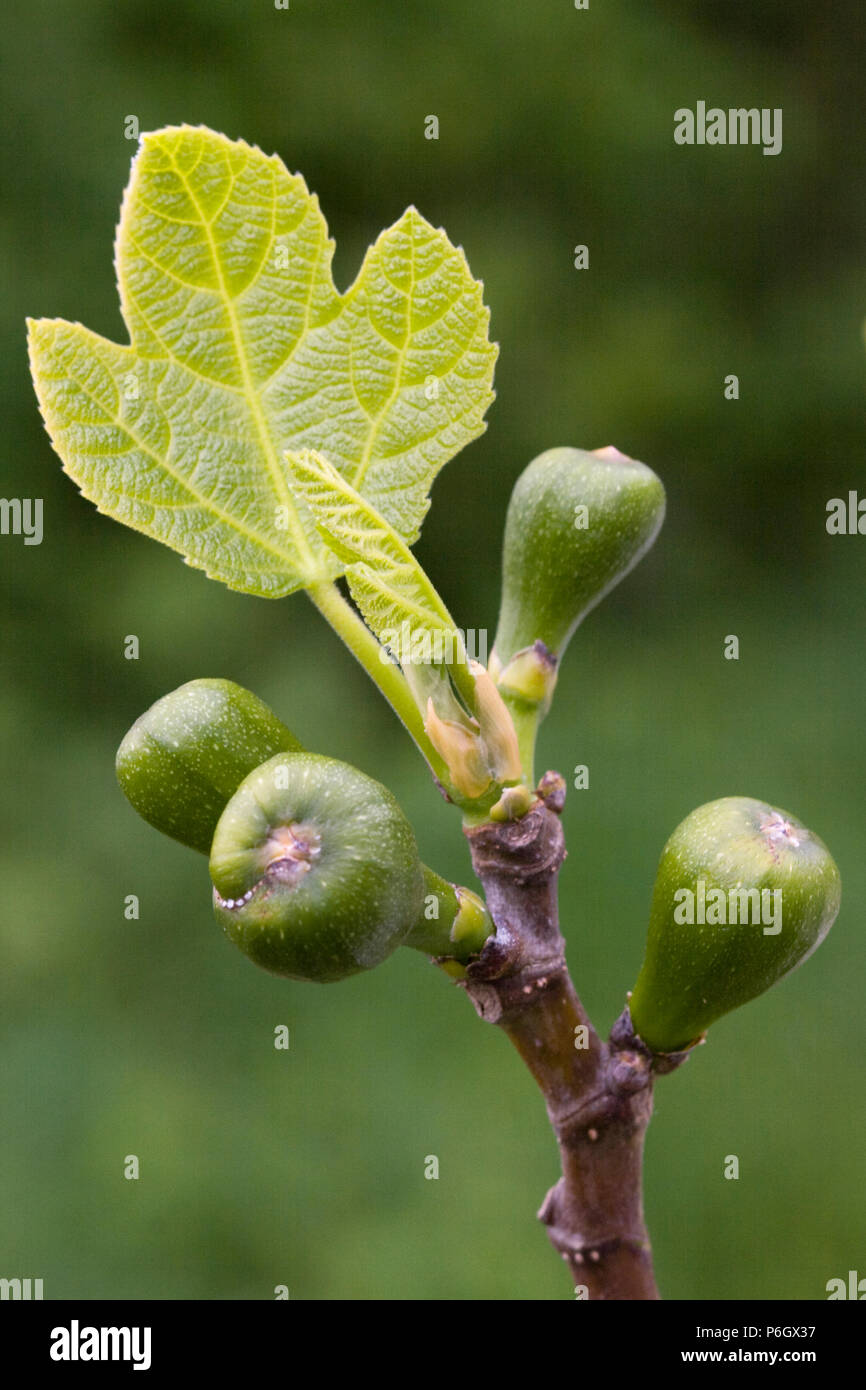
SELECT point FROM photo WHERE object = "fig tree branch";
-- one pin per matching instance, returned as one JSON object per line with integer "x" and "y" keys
{"x": 598, "y": 1095}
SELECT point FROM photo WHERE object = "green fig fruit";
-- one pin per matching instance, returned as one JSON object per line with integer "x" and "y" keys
{"x": 187, "y": 754}
{"x": 454, "y": 923}
{"x": 577, "y": 523}
{"x": 744, "y": 893}
{"x": 315, "y": 869}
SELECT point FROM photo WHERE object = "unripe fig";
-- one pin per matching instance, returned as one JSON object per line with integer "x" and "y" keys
{"x": 577, "y": 522}
{"x": 187, "y": 754}
{"x": 315, "y": 869}
{"x": 744, "y": 893}
{"x": 455, "y": 922}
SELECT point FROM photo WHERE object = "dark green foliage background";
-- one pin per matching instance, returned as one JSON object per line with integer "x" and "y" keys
{"x": 154, "y": 1037}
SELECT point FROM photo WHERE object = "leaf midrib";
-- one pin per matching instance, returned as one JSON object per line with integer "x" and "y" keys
{"x": 251, "y": 395}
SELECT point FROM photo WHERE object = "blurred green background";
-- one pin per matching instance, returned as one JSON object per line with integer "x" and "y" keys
{"x": 154, "y": 1037}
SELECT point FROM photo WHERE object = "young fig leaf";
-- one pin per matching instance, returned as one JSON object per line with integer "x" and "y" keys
{"x": 386, "y": 581}
{"x": 577, "y": 522}
{"x": 406, "y": 613}
{"x": 186, "y": 756}
{"x": 744, "y": 893}
{"x": 315, "y": 869}
{"x": 241, "y": 348}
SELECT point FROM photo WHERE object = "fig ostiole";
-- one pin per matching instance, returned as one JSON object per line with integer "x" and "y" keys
{"x": 185, "y": 756}
{"x": 577, "y": 522}
{"x": 744, "y": 894}
{"x": 315, "y": 868}
{"x": 317, "y": 876}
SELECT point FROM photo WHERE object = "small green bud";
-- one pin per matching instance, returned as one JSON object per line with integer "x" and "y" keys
{"x": 187, "y": 754}
{"x": 496, "y": 727}
{"x": 315, "y": 869}
{"x": 479, "y": 750}
{"x": 577, "y": 523}
{"x": 454, "y": 923}
{"x": 459, "y": 745}
{"x": 530, "y": 676}
{"x": 513, "y": 804}
{"x": 744, "y": 893}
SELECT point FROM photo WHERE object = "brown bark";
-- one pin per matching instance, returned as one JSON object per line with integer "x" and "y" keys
{"x": 598, "y": 1095}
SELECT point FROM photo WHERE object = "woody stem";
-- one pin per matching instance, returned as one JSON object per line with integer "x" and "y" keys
{"x": 598, "y": 1095}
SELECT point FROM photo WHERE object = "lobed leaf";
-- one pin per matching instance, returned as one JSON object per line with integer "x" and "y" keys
{"x": 241, "y": 348}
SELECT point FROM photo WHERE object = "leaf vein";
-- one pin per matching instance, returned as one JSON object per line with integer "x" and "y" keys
{"x": 201, "y": 498}
{"x": 249, "y": 388}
